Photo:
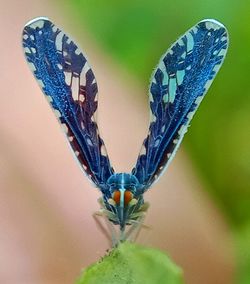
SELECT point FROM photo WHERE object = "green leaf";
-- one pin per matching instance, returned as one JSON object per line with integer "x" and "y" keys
{"x": 132, "y": 264}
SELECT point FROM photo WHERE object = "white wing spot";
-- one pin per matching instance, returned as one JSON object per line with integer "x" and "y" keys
{"x": 143, "y": 150}
{"x": 78, "y": 51}
{"x": 165, "y": 98}
{"x": 59, "y": 42}
{"x": 40, "y": 82}
{"x": 151, "y": 97}
{"x": 49, "y": 99}
{"x": 212, "y": 25}
{"x": 162, "y": 66}
{"x": 81, "y": 98}
{"x": 153, "y": 117}
{"x": 57, "y": 113}
{"x": 59, "y": 66}
{"x": 153, "y": 80}
{"x": 89, "y": 142}
{"x": 27, "y": 50}
{"x": 180, "y": 76}
{"x": 172, "y": 89}
{"x": 32, "y": 67}
{"x": 180, "y": 42}
{"x": 222, "y": 52}
{"x": 175, "y": 141}
{"x": 103, "y": 151}
{"x": 67, "y": 78}
{"x": 182, "y": 130}
{"x": 195, "y": 29}
{"x": 198, "y": 100}
{"x": 216, "y": 68}
{"x": 190, "y": 114}
{"x": 157, "y": 142}
{"x": 190, "y": 42}
{"x": 208, "y": 84}
{"x": 85, "y": 68}
{"x": 165, "y": 78}
{"x": 184, "y": 54}
{"x": 82, "y": 125}
{"x": 65, "y": 128}
{"x": 74, "y": 88}
{"x": 37, "y": 24}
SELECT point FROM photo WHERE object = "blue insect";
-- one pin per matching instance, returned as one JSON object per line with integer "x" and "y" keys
{"x": 177, "y": 87}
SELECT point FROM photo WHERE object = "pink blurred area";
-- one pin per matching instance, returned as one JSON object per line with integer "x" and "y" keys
{"x": 47, "y": 233}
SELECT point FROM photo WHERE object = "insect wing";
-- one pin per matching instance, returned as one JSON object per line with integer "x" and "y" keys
{"x": 178, "y": 85}
{"x": 70, "y": 86}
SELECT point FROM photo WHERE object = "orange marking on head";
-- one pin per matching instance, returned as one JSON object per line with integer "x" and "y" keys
{"x": 117, "y": 196}
{"x": 127, "y": 197}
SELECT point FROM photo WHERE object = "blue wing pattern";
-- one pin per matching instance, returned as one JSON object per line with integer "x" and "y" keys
{"x": 177, "y": 87}
{"x": 69, "y": 84}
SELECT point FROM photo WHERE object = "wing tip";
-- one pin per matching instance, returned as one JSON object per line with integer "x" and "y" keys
{"x": 213, "y": 24}
{"x": 37, "y": 22}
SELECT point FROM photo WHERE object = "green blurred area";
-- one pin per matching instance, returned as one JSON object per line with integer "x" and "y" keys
{"x": 137, "y": 33}
{"x": 130, "y": 263}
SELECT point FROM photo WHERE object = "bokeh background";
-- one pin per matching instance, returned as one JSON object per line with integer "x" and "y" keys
{"x": 200, "y": 209}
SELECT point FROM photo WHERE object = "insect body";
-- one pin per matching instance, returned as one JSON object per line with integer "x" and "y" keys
{"x": 178, "y": 85}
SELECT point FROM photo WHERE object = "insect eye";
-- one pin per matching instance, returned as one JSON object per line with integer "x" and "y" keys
{"x": 117, "y": 196}
{"x": 128, "y": 196}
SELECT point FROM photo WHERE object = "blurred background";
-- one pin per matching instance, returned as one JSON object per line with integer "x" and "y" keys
{"x": 200, "y": 209}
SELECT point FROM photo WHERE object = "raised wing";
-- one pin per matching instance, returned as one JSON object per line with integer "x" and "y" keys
{"x": 178, "y": 85}
{"x": 69, "y": 84}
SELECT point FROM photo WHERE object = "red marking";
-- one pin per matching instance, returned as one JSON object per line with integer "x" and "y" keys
{"x": 127, "y": 197}
{"x": 117, "y": 196}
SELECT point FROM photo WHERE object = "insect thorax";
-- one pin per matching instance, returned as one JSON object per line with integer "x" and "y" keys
{"x": 123, "y": 203}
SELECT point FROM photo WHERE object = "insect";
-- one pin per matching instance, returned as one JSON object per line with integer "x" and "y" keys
{"x": 177, "y": 87}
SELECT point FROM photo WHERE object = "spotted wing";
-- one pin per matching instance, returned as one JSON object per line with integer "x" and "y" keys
{"x": 70, "y": 86}
{"x": 177, "y": 87}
